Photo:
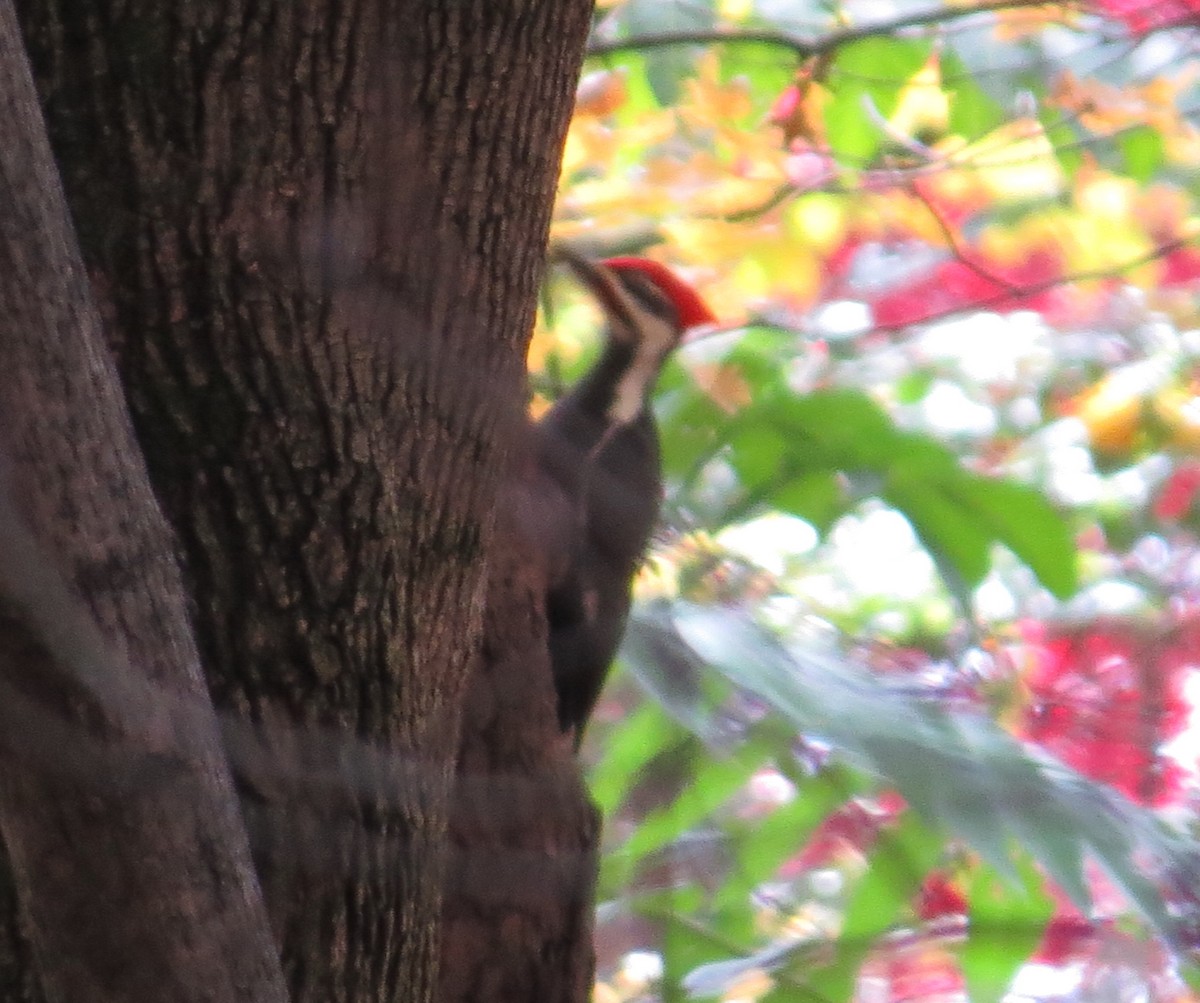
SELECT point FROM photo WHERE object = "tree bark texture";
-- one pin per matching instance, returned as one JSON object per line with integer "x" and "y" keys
{"x": 517, "y": 916}
{"x": 116, "y": 803}
{"x": 316, "y": 230}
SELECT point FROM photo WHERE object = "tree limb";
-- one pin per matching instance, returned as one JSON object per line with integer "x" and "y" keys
{"x": 807, "y": 46}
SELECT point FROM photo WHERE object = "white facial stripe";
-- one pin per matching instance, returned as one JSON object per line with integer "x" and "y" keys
{"x": 657, "y": 339}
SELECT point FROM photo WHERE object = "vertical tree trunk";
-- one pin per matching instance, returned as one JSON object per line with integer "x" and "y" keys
{"x": 523, "y": 832}
{"x": 317, "y": 229}
{"x": 116, "y": 802}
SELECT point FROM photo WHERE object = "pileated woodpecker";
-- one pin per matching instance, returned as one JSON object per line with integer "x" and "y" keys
{"x": 599, "y": 445}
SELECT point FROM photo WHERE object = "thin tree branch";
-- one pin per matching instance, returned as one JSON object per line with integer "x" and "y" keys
{"x": 814, "y": 45}
{"x": 961, "y": 252}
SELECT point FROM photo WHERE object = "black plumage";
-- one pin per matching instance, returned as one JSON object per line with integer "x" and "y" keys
{"x": 599, "y": 445}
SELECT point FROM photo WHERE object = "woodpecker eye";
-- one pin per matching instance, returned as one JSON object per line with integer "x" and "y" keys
{"x": 652, "y": 299}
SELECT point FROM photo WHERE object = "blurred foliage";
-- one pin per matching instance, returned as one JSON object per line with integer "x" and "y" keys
{"x": 909, "y": 701}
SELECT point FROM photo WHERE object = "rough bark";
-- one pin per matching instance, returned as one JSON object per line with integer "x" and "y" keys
{"x": 517, "y": 917}
{"x": 116, "y": 803}
{"x": 317, "y": 229}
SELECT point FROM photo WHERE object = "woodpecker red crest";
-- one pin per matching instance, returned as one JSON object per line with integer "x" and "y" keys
{"x": 599, "y": 445}
{"x": 648, "y": 309}
{"x": 689, "y": 307}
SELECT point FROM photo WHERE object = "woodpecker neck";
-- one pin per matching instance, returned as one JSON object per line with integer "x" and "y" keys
{"x": 618, "y": 386}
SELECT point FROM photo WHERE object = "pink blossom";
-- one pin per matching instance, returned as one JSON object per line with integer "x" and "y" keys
{"x": 1175, "y": 499}
{"x": 1142, "y": 16}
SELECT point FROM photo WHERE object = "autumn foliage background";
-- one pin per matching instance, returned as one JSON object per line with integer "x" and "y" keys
{"x": 908, "y": 709}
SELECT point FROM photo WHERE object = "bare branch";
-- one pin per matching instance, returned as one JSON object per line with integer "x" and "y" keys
{"x": 806, "y": 47}
{"x": 961, "y": 252}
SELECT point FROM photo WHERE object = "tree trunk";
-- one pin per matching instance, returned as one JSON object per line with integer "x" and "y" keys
{"x": 523, "y": 832}
{"x": 316, "y": 231}
{"x": 116, "y": 802}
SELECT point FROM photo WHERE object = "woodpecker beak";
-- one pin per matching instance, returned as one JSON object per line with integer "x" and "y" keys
{"x": 603, "y": 283}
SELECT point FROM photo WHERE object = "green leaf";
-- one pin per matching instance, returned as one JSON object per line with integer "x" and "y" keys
{"x": 1022, "y": 781}
{"x": 787, "y": 451}
{"x": 959, "y": 770}
{"x": 853, "y": 137}
{"x": 756, "y": 454}
{"x": 840, "y": 430}
{"x": 959, "y": 515}
{"x": 1006, "y": 925}
{"x": 1065, "y": 141}
{"x": 685, "y": 940}
{"x": 868, "y": 72}
{"x": 761, "y": 847}
{"x": 714, "y": 780}
{"x": 1191, "y": 975}
{"x": 1023, "y": 520}
{"x": 1114, "y": 843}
{"x": 901, "y": 859}
{"x": 817, "y": 497}
{"x": 1144, "y": 153}
{"x": 640, "y": 98}
{"x": 944, "y": 527}
{"x": 639, "y": 738}
{"x": 667, "y": 66}
{"x": 691, "y": 426}
{"x": 762, "y": 68}
{"x": 973, "y": 112}
{"x": 670, "y": 672}
{"x": 912, "y": 387}
{"x": 962, "y": 800}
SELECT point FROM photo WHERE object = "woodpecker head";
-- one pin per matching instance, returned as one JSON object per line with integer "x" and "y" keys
{"x": 648, "y": 308}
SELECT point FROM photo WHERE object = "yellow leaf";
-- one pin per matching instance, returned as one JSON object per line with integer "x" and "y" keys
{"x": 1179, "y": 411}
{"x": 538, "y": 406}
{"x": 588, "y": 143}
{"x": 657, "y": 579}
{"x": 735, "y": 10}
{"x": 923, "y": 108}
{"x": 1104, "y": 108}
{"x": 1182, "y": 144}
{"x": 709, "y": 101}
{"x": 1112, "y": 414}
{"x": 800, "y": 110}
{"x": 1104, "y": 195}
{"x": 1099, "y": 244}
{"x": 1014, "y": 162}
{"x": 1100, "y": 107}
{"x": 1165, "y": 93}
{"x": 1013, "y": 24}
{"x": 817, "y": 219}
{"x": 1166, "y": 212}
{"x": 541, "y": 344}
{"x": 602, "y": 992}
{"x": 709, "y": 241}
{"x": 729, "y": 196}
{"x": 957, "y": 193}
